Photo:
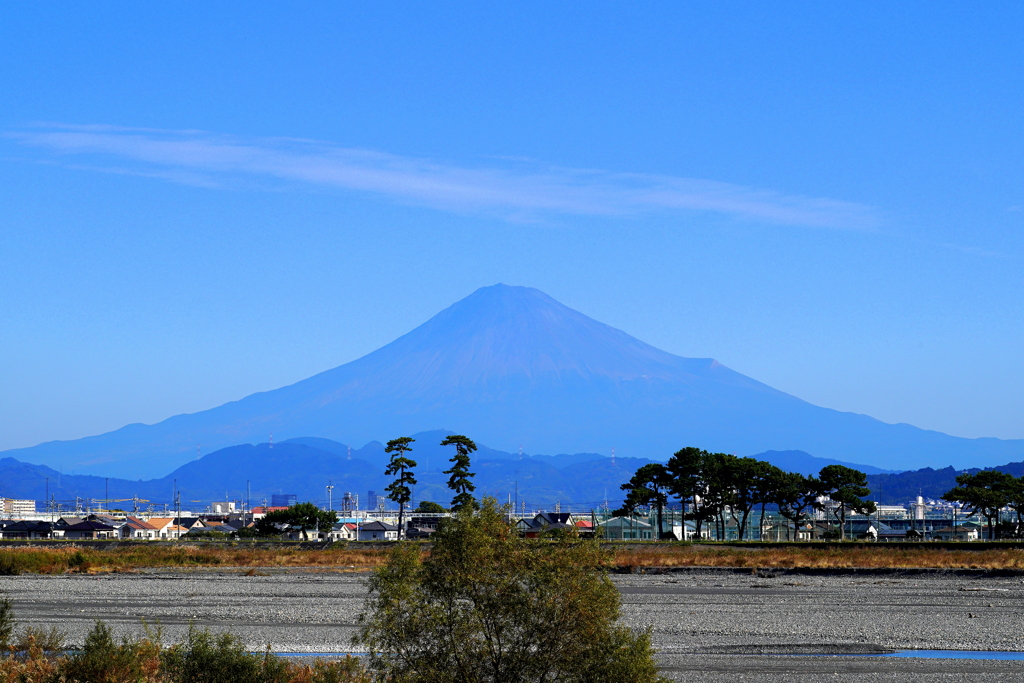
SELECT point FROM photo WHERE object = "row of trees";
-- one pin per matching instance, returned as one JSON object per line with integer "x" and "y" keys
{"x": 713, "y": 487}
{"x": 986, "y": 493}
{"x": 402, "y": 468}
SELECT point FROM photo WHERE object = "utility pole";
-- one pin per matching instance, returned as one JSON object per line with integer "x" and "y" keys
{"x": 246, "y": 502}
{"x": 47, "y": 498}
{"x": 106, "y": 492}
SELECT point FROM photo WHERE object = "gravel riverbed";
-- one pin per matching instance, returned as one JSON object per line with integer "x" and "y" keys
{"x": 707, "y": 625}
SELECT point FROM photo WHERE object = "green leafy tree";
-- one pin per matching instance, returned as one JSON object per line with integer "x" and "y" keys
{"x": 686, "y": 470}
{"x": 719, "y": 492}
{"x": 490, "y": 607}
{"x": 648, "y": 487}
{"x": 400, "y": 467}
{"x": 429, "y": 507}
{"x": 766, "y": 483}
{"x": 460, "y": 480}
{"x": 847, "y": 487}
{"x": 983, "y": 492}
{"x": 742, "y": 481}
{"x": 306, "y": 516}
{"x": 1015, "y": 499}
{"x": 796, "y": 497}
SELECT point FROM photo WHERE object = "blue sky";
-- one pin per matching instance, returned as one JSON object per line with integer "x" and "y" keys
{"x": 200, "y": 202}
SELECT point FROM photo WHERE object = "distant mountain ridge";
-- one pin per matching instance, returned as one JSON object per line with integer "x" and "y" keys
{"x": 511, "y": 366}
{"x": 304, "y": 466}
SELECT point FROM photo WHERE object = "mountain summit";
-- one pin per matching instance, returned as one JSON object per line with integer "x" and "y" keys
{"x": 511, "y": 366}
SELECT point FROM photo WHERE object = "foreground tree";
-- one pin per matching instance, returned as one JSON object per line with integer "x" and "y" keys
{"x": 460, "y": 480}
{"x": 306, "y": 516}
{"x": 846, "y": 486}
{"x": 983, "y": 492}
{"x": 400, "y": 467}
{"x": 488, "y": 606}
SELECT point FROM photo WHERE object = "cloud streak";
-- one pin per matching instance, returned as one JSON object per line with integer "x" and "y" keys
{"x": 513, "y": 189}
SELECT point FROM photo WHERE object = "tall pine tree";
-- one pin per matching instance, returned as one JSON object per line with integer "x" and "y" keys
{"x": 460, "y": 475}
{"x": 400, "y": 490}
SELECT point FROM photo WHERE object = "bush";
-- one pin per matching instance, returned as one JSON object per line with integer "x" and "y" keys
{"x": 10, "y": 563}
{"x": 103, "y": 660}
{"x": 47, "y": 640}
{"x": 208, "y": 658}
{"x": 6, "y": 622}
{"x": 487, "y": 606}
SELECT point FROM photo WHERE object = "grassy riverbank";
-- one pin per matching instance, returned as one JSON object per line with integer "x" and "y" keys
{"x": 61, "y": 559}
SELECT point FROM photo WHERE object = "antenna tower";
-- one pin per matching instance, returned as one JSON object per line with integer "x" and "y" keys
{"x": 613, "y": 457}
{"x": 271, "y": 439}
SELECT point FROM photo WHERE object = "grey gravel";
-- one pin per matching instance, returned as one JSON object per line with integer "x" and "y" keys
{"x": 707, "y": 625}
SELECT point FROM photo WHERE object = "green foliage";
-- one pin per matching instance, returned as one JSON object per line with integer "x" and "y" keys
{"x": 10, "y": 563}
{"x": 400, "y": 467}
{"x": 429, "y": 507}
{"x": 847, "y": 487}
{"x": 488, "y": 606}
{"x": 796, "y": 496}
{"x": 647, "y": 487}
{"x": 714, "y": 485}
{"x": 103, "y": 660}
{"x": 205, "y": 657}
{"x": 6, "y": 622}
{"x": 306, "y": 516}
{"x": 986, "y": 492}
{"x": 459, "y": 482}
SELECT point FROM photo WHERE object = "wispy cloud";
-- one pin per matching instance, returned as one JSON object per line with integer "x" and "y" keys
{"x": 510, "y": 187}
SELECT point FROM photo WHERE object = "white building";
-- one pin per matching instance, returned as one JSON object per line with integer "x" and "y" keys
{"x": 16, "y": 508}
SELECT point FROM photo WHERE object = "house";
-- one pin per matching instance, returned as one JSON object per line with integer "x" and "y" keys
{"x": 626, "y": 529}
{"x": 192, "y": 523}
{"x": 118, "y": 524}
{"x": 887, "y": 534}
{"x": 965, "y": 532}
{"x": 90, "y": 529}
{"x": 137, "y": 529}
{"x": 343, "y": 531}
{"x": 545, "y": 521}
{"x": 419, "y": 533}
{"x": 27, "y": 530}
{"x": 378, "y": 531}
{"x": 260, "y": 512}
{"x": 166, "y": 528}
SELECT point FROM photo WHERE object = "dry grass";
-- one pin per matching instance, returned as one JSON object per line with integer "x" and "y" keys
{"x": 825, "y": 557}
{"x": 250, "y": 560}
{"x": 58, "y": 560}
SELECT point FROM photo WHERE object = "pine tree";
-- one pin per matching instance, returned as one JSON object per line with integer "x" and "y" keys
{"x": 400, "y": 490}
{"x": 460, "y": 475}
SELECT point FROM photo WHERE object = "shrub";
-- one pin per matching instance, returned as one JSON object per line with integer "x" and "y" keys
{"x": 47, "y": 640}
{"x": 10, "y": 563}
{"x": 6, "y": 622}
{"x": 103, "y": 660}
{"x": 487, "y": 606}
{"x": 208, "y": 658}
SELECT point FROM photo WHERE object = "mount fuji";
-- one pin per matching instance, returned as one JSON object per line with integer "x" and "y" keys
{"x": 510, "y": 367}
